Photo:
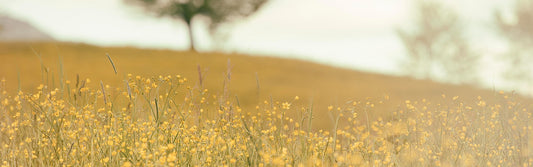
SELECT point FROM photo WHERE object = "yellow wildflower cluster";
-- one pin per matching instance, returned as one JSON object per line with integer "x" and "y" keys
{"x": 163, "y": 121}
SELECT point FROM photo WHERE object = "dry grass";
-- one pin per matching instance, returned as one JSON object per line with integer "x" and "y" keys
{"x": 162, "y": 121}
{"x": 279, "y": 78}
{"x": 160, "y": 118}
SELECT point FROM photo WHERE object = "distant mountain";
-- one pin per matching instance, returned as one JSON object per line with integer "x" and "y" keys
{"x": 16, "y": 30}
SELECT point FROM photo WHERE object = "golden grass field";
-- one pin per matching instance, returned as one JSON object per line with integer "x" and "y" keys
{"x": 63, "y": 105}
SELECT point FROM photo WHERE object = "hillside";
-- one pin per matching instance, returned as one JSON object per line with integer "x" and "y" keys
{"x": 16, "y": 30}
{"x": 254, "y": 79}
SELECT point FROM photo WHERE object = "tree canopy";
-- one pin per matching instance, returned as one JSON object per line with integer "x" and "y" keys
{"x": 518, "y": 30}
{"x": 436, "y": 47}
{"x": 218, "y": 11}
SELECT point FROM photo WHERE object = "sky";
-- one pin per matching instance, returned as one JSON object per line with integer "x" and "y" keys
{"x": 356, "y": 34}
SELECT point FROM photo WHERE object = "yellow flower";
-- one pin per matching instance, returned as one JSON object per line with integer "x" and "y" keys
{"x": 170, "y": 146}
{"x": 286, "y": 105}
{"x": 171, "y": 157}
{"x": 126, "y": 164}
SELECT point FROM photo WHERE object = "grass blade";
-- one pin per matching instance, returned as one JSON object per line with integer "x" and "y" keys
{"x": 103, "y": 92}
{"x": 200, "y": 76}
{"x": 112, "y": 64}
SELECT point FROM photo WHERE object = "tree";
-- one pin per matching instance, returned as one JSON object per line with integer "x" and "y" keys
{"x": 518, "y": 30}
{"x": 218, "y": 11}
{"x": 437, "y": 49}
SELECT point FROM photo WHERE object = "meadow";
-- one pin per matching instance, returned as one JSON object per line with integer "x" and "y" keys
{"x": 64, "y": 104}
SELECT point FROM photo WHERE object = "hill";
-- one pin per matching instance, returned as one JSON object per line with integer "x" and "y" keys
{"x": 254, "y": 79}
{"x": 15, "y": 30}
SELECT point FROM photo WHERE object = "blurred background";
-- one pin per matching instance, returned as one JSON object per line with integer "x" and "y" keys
{"x": 479, "y": 42}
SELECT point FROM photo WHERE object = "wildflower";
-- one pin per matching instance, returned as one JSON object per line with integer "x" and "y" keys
{"x": 170, "y": 146}
{"x": 126, "y": 164}
{"x": 171, "y": 157}
{"x": 286, "y": 105}
{"x": 481, "y": 103}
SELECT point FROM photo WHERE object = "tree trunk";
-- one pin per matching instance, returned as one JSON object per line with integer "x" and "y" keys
{"x": 191, "y": 37}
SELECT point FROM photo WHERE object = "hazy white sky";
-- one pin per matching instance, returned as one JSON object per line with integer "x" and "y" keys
{"x": 358, "y": 34}
{"x": 350, "y": 33}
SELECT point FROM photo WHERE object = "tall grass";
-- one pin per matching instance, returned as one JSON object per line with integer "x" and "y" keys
{"x": 254, "y": 78}
{"x": 166, "y": 121}
{"x": 169, "y": 120}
